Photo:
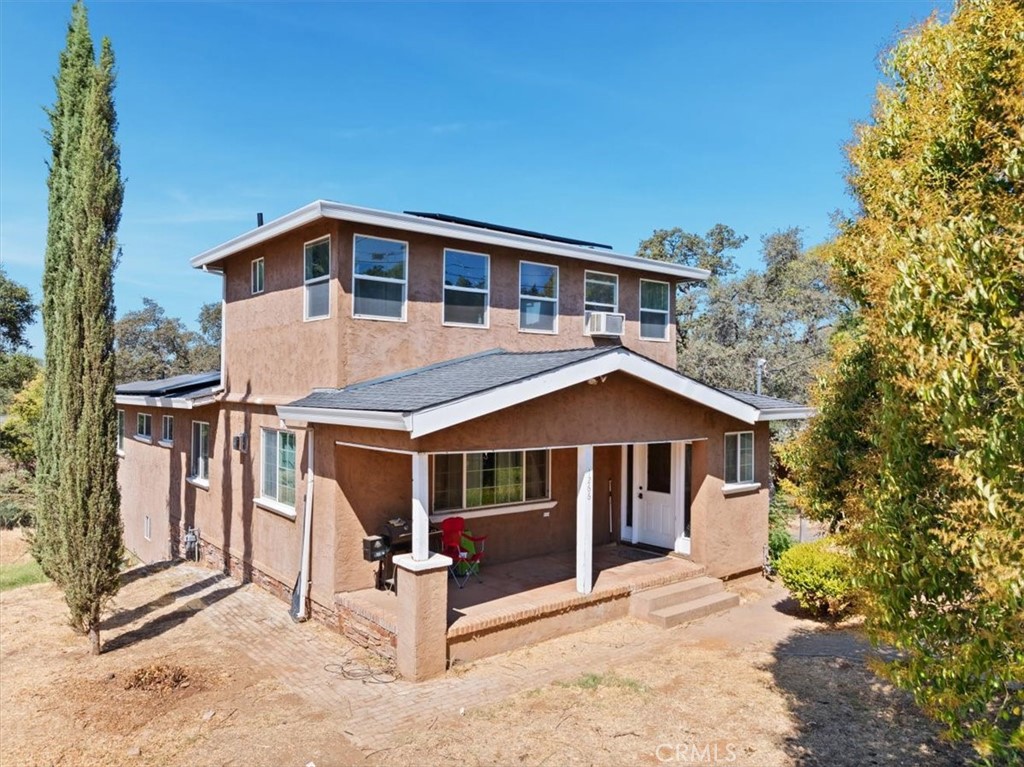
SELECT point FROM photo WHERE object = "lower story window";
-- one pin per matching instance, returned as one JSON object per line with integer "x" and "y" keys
{"x": 199, "y": 467}
{"x": 739, "y": 457}
{"x": 279, "y": 466}
{"x": 475, "y": 480}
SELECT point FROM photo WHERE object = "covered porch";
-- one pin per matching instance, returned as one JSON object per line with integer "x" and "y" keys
{"x": 532, "y": 599}
{"x": 596, "y": 445}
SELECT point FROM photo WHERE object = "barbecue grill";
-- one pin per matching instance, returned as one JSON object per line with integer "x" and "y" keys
{"x": 393, "y": 537}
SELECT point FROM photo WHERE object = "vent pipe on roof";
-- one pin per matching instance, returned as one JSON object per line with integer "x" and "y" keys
{"x": 259, "y": 219}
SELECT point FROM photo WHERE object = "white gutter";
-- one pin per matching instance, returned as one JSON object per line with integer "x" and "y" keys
{"x": 408, "y": 223}
{"x": 175, "y": 403}
{"x": 307, "y": 533}
{"x": 787, "y": 414}
{"x": 369, "y": 419}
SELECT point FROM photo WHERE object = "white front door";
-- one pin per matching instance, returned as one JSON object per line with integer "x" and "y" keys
{"x": 656, "y": 510}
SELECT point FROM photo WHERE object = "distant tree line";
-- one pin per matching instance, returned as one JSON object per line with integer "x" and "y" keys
{"x": 782, "y": 314}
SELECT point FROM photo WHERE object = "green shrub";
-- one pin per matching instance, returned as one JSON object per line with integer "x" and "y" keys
{"x": 779, "y": 539}
{"x": 819, "y": 575}
{"x": 15, "y": 513}
{"x": 779, "y": 542}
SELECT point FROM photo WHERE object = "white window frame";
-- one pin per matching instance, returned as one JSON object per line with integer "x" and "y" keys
{"x": 258, "y": 274}
{"x": 145, "y": 435}
{"x": 195, "y": 475}
{"x": 515, "y": 505}
{"x": 164, "y": 438}
{"x": 614, "y": 306}
{"x": 668, "y": 312}
{"x": 404, "y": 282}
{"x": 266, "y": 501}
{"x": 739, "y": 481}
{"x": 147, "y": 527}
{"x": 486, "y": 291}
{"x": 120, "y": 432}
{"x": 519, "y": 289}
{"x": 317, "y": 280}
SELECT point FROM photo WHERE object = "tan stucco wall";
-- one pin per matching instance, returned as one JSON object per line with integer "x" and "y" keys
{"x": 150, "y": 486}
{"x": 272, "y": 352}
{"x": 153, "y": 481}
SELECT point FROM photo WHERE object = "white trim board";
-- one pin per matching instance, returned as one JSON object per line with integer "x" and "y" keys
{"x": 423, "y": 422}
{"x": 174, "y": 403}
{"x": 444, "y": 416}
{"x": 321, "y": 209}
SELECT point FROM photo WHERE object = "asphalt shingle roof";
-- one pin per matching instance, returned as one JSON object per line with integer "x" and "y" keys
{"x": 760, "y": 401}
{"x": 189, "y": 385}
{"x": 425, "y": 387}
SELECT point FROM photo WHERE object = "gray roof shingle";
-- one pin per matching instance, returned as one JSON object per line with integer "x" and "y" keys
{"x": 433, "y": 385}
{"x": 761, "y": 402}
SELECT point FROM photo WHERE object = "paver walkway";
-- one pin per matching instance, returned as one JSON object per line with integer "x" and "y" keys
{"x": 305, "y": 657}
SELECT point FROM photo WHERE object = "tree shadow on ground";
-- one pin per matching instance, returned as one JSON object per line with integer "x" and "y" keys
{"x": 845, "y": 715}
{"x": 124, "y": 617}
{"x": 172, "y": 619}
{"x": 143, "y": 571}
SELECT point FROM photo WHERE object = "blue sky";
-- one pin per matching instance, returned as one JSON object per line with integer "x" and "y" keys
{"x": 600, "y": 121}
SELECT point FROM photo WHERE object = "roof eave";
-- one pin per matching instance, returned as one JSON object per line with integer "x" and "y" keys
{"x": 405, "y": 222}
{"x": 367, "y": 419}
{"x": 786, "y": 414}
{"x": 172, "y": 403}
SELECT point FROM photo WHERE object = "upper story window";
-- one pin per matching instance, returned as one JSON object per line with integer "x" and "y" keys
{"x": 144, "y": 426}
{"x": 654, "y": 310}
{"x": 199, "y": 458}
{"x": 379, "y": 278}
{"x": 467, "y": 281}
{"x": 318, "y": 278}
{"x": 120, "y": 431}
{"x": 257, "y": 276}
{"x": 167, "y": 429}
{"x": 278, "y": 483}
{"x": 739, "y": 457}
{"x": 600, "y": 292}
{"x": 538, "y": 297}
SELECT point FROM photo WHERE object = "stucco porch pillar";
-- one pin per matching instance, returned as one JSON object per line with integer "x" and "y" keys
{"x": 585, "y": 519}
{"x": 422, "y": 616}
{"x": 420, "y": 505}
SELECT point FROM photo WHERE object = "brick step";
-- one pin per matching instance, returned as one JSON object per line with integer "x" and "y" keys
{"x": 667, "y": 617}
{"x": 643, "y": 603}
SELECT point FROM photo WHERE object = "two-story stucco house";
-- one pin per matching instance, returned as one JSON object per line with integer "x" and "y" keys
{"x": 380, "y": 366}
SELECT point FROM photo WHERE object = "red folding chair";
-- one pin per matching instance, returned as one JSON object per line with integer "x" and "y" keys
{"x": 465, "y": 550}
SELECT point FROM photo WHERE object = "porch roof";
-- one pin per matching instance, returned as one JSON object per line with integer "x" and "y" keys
{"x": 427, "y": 399}
{"x": 184, "y": 391}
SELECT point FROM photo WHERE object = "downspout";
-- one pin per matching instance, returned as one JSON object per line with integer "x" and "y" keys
{"x": 300, "y": 597}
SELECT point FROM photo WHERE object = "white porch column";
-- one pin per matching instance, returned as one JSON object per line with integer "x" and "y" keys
{"x": 420, "y": 504}
{"x": 585, "y": 519}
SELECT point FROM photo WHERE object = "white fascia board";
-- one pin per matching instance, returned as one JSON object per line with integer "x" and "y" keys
{"x": 450, "y": 414}
{"x": 286, "y": 223}
{"x": 787, "y": 414}
{"x": 367, "y": 419}
{"x": 407, "y": 223}
{"x": 173, "y": 403}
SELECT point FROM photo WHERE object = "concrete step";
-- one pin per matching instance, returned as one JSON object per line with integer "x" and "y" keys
{"x": 643, "y": 603}
{"x": 667, "y": 617}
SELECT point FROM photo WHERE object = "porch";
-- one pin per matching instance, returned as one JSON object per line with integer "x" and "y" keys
{"x": 531, "y": 599}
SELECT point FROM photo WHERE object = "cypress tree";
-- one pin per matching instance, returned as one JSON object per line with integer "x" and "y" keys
{"x": 79, "y": 536}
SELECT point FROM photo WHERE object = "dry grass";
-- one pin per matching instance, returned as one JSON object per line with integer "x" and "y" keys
{"x": 766, "y": 689}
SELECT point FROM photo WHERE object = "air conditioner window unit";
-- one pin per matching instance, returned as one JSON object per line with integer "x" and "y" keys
{"x": 605, "y": 324}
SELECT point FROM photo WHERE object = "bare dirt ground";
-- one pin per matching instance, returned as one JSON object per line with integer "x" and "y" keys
{"x": 13, "y": 547}
{"x": 757, "y": 686}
